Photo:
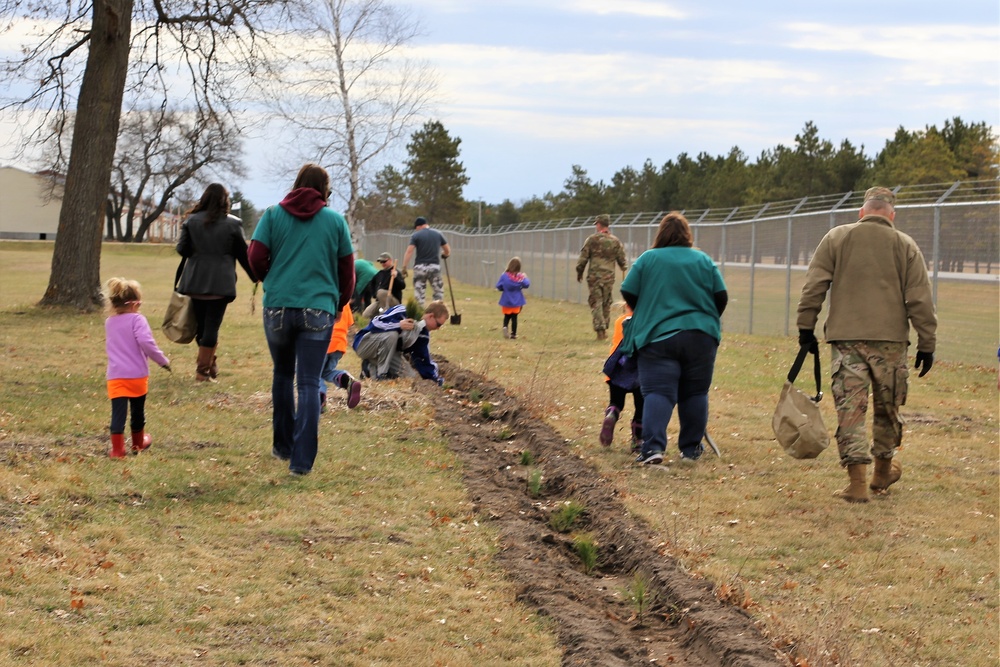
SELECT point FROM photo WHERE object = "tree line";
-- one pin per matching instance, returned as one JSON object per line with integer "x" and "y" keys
{"x": 812, "y": 166}
{"x": 144, "y": 102}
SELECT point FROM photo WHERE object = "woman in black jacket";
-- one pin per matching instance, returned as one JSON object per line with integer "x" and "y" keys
{"x": 212, "y": 241}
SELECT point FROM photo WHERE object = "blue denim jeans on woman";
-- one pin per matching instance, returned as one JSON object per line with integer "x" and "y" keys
{"x": 298, "y": 339}
{"x": 676, "y": 371}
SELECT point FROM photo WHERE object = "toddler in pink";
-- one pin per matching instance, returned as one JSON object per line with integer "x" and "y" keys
{"x": 129, "y": 344}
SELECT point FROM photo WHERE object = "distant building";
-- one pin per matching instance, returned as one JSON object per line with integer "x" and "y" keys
{"x": 29, "y": 204}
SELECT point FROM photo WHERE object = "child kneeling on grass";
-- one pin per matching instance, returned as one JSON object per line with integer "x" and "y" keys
{"x": 336, "y": 376}
{"x": 129, "y": 343}
{"x": 391, "y": 339}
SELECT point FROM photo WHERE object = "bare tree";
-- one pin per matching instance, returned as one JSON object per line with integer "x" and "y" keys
{"x": 159, "y": 152}
{"x": 358, "y": 94}
{"x": 211, "y": 45}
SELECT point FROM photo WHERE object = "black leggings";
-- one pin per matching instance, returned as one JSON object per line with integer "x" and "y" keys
{"x": 618, "y": 400}
{"x": 511, "y": 319}
{"x": 119, "y": 410}
{"x": 208, "y": 313}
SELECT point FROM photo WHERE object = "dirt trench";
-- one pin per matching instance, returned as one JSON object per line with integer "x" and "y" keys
{"x": 596, "y": 622}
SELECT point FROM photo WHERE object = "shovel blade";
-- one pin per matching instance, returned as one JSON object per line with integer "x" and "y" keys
{"x": 456, "y": 319}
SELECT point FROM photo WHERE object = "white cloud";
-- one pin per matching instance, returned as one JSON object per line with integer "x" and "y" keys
{"x": 504, "y": 73}
{"x": 646, "y": 8}
{"x": 949, "y": 45}
{"x": 541, "y": 125}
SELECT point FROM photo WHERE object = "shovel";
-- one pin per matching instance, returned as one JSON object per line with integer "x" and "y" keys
{"x": 711, "y": 443}
{"x": 456, "y": 318}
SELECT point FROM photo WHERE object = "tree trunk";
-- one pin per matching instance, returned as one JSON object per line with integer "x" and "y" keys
{"x": 75, "y": 279}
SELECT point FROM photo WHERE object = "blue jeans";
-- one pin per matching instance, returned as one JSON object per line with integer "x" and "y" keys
{"x": 331, "y": 373}
{"x": 676, "y": 372}
{"x": 298, "y": 339}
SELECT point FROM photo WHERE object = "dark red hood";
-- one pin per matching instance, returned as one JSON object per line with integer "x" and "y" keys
{"x": 303, "y": 203}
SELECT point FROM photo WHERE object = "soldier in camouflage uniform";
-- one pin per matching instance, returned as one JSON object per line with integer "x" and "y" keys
{"x": 878, "y": 286}
{"x": 602, "y": 251}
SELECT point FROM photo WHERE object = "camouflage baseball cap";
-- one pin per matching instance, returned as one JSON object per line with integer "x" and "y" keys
{"x": 383, "y": 257}
{"x": 603, "y": 219}
{"x": 882, "y": 194}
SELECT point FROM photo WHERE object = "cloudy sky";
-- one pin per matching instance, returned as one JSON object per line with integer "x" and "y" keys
{"x": 533, "y": 87}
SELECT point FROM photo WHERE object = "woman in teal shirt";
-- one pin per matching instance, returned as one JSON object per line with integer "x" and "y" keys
{"x": 677, "y": 296}
{"x": 302, "y": 251}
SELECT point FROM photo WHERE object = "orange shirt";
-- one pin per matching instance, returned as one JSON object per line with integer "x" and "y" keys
{"x": 338, "y": 340}
{"x": 619, "y": 333}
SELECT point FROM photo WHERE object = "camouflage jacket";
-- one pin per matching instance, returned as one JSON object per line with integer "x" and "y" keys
{"x": 602, "y": 251}
{"x": 877, "y": 282}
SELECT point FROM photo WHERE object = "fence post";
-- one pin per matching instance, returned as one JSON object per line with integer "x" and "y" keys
{"x": 753, "y": 262}
{"x": 836, "y": 207}
{"x": 788, "y": 262}
{"x": 725, "y": 226}
{"x": 936, "y": 249}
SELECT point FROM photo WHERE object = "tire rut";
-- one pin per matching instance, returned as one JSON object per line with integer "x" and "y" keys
{"x": 596, "y": 624}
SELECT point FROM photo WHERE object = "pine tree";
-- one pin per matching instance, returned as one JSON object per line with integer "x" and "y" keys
{"x": 434, "y": 175}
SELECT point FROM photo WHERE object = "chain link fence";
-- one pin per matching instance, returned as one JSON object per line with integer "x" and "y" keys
{"x": 763, "y": 252}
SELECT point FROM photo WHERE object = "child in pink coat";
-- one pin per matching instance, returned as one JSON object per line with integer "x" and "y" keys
{"x": 129, "y": 344}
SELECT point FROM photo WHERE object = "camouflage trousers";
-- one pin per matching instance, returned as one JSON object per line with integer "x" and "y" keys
{"x": 857, "y": 367}
{"x": 601, "y": 289}
{"x": 427, "y": 273}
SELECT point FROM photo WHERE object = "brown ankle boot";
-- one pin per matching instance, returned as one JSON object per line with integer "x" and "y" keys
{"x": 203, "y": 372}
{"x": 140, "y": 441}
{"x": 213, "y": 369}
{"x": 117, "y": 446}
{"x": 887, "y": 473}
{"x": 857, "y": 491}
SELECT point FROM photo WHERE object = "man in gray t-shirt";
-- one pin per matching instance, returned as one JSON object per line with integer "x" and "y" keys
{"x": 429, "y": 247}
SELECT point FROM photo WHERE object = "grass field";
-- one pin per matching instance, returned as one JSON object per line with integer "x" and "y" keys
{"x": 204, "y": 551}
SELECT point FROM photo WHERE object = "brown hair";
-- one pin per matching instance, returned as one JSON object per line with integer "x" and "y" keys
{"x": 514, "y": 265}
{"x": 313, "y": 176}
{"x": 118, "y": 292}
{"x": 674, "y": 230}
{"x": 214, "y": 201}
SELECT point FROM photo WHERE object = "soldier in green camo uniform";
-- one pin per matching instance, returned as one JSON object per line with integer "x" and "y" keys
{"x": 602, "y": 251}
{"x": 878, "y": 286}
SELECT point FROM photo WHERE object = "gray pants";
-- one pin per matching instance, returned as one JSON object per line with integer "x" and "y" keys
{"x": 382, "y": 352}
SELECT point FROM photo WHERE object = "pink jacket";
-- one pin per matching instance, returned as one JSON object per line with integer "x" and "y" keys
{"x": 129, "y": 342}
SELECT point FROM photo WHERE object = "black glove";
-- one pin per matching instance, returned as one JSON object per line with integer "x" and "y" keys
{"x": 924, "y": 362}
{"x": 808, "y": 339}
